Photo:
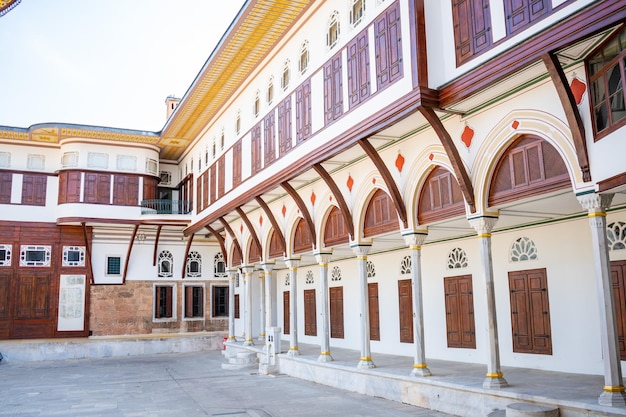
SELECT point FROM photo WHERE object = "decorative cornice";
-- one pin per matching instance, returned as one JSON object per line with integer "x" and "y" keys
{"x": 7, "y": 5}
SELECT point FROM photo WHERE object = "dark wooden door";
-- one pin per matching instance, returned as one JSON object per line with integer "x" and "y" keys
{"x": 530, "y": 311}
{"x": 310, "y": 313}
{"x": 286, "y": 312}
{"x": 459, "y": 312}
{"x": 618, "y": 276}
{"x": 405, "y": 301}
{"x": 34, "y": 305}
{"x": 336, "y": 312}
{"x": 5, "y": 306}
{"x": 372, "y": 289}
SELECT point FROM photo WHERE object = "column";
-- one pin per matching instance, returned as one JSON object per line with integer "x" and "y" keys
{"x": 323, "y": 258}
{"x": 262, "y": 305}
{"x": 483, "y": 226}
{"x": 292, "y": 264}
{"x": 247, "y": 281}
{"x": 361, "y": 250}
{"x": 232, "y": 274}
{"x": 596, "y": 205}
{"x": 268, "y": 267}
{"x": 415, "y": 241}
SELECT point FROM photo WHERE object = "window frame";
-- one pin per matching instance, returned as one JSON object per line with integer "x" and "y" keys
{"x": 201, "y": 298}
{"x": 214, "y": 303}
{"x": 107, "y": 272}
{"x": 174, "y": 296}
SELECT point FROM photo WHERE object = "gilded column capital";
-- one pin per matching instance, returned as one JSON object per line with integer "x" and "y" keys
{"x": 248, "y": 270}
{"x": 268, "y": 266}
{"x": 361, "y": 250}
{"x": 483, "y": 224}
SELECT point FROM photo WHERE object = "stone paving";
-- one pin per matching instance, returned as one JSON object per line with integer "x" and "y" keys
{"x": 175, "y": 385}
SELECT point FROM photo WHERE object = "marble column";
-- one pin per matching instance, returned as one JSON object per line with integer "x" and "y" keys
{"x": 232, "y": 274}
{"x": 262, "y": 305}
{"x": 292, "y": 264}
{"x": 483, "y": 226}
{"x": 614, "y": 391}
{"x": 247, "y": 285}
{"x": 361, "y": 250}
{"x": 268, "y": 267}
{"x": 415, "y": 241}
{"x": 323, "y": 258}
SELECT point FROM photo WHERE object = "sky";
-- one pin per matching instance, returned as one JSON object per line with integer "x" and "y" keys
{"x": 104, "y": 63}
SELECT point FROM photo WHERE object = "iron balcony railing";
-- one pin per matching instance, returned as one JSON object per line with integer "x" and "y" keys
{"x": 165, "y": 207}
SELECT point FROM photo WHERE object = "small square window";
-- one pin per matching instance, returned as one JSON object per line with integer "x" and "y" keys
{"x": 73, "y": 256}
{"x": 35, "y": 256}
{"x": 113, "y": 266}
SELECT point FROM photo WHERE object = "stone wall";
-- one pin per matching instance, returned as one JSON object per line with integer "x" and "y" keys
{"x": 128, "y": 309}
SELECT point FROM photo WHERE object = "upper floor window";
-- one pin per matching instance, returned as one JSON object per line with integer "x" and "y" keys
{"x": 35, "y": 255}
{"x": 194, "y": 264}
{"x": 214, "y": 149}
{"x": 166, "y": 263}
{"x": 606, "y": 78}
{"x": 238, "y": 122}
{"x": 472, "y": 28}
{"x": 332, "y": 35}
{"x": 303, "y": 64}
{"x": 284, "y": 80}
{"x": 256, "y": 108}
{"x": 219, "y": 266}
{"x": 73, "y": 256}
{"x": 222, "y": 140}
{"x": 521, "y": 14}
{"x": 357, "y": 11}
{"x": 270, "y": 90}
{"x": 5, "y": 255}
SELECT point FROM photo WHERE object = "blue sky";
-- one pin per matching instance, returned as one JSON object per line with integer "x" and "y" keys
{"x": 104, "y": 63}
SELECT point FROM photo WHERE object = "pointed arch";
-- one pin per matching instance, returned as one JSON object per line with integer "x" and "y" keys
{"x": 380, "y": 216}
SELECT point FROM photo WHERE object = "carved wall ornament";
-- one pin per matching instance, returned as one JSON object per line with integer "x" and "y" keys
{"x": 523, "y": 249}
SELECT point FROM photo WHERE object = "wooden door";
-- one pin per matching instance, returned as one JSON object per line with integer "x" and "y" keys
{"x": 286, "y": 312}
{"x": 5, "y": 306}
{"x": 372, "y": 289}
{"x": 310, "y": 313}
{"x": 618, "y": 276}
{"x": 530, "y": 311}
{"x": 34, "y": 306}
{"x": 459, "y": 312}
{"x": 336, "y": 312}
{"x": 405, "y": 302}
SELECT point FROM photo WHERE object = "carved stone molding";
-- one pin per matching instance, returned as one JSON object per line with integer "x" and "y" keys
{"x": 361, "y": 250}
{"x": 292, "y": 263}
{"x": 323, "y": 258}
{"x": 484, "y": 224}
{"x": 595, "y": 203}
{"x": 268, "y": 266}
{"x": 415, "y": 239}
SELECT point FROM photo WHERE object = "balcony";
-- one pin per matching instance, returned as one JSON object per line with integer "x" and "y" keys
{"x": 165, "y": 207}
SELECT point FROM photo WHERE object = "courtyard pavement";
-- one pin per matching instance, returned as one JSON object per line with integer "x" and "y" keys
{"x": 175, "y": 385}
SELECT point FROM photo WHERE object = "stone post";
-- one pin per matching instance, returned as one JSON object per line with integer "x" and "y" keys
{"x": 268, "y": 267}
{"x": 415, "y": 241}
{"x": 292, "y": 264}
{"x": 247, "y": 282}
{"x": 596, "y": 205}
{"x": 323, "y": 258}
{"x": 483, "y": 226}
{"x": 361, "y": 250}
{"x": 232, "y": 274}
{"x": 262, "y": 305}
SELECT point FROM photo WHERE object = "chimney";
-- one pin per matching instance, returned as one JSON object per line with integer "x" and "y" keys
{"x": 171, "y": 103}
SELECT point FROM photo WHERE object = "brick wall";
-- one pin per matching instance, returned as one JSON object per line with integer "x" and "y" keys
{"x": 128, "y": 309}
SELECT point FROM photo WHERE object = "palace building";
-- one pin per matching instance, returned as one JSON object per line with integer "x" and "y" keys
{"x": 419, "y": 178}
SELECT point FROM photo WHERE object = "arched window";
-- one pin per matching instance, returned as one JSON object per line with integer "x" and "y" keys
{"x": 284, "y": 80}
{"x": 405, "y": 265}
{"x": 165, "y": 263}
{"x": 523, "y": 249}
{"x": 194, "y": 264}
{"x": 219, "y": 266}
{"x": 371, "y": 269}
{"x": 302, "y": 239}
{"x": 616, "y": 235}
{"x": 256, "y": 108}
{"x": 357, "y": 11}
{"x": 335, "y": 230}
{"x": 440, "y": 198}
{"x": 457, "y": 258}
{"x": 332, "y": 35}
{"x": 270, "y": 90}
{"x": 222, "y": 140}
{"x": 238, "y": 122}
{"x": 303, "y": 63}
{"x": 380, "y": 216}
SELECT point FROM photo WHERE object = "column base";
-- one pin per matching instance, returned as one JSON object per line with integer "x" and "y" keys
{"x": 325, "y": 357}
{"x": 261, "y": 337}
{"x": 494, "y": 381}
{"x": 248, "y": 342}
{"x": 293, "y": 351}
{"x": 613, "y": 398}
{"x": 366, "y": 363}
{"x": 231, "y": 338}
{"x": 420, "y": 369}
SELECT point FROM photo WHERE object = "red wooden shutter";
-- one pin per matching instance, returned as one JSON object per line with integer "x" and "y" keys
{"x": 472, "y": 28}
{"x": 125, "y": 190}
{"x": 358, "y": 69}
{"x": 189, "y": 301}
{"x": 522, "y": 13}
{"x": 212, "y": 183}
{"x": 6, "y": 182}
{"x": 336, "y": 312}
{"x": 380, "y": 215}
{"x": 303, "y": 241}
{"x": 286, "y": 312}
{"x": 310, "y": 313}
{"x": 530, "y": 312}
{"x": 237, "y": 314}
{"x": 459, "y": 302}
{"x": 618, "y": 276}
{"x": 221, "y": 176}
{"x": 388, "y": 47}
{"x": 237, "y": 163}
{"x": 34, "y": 189}
{"x": 335, "y": 230}
{"x": 256, "y": 148}
{"x": 372, "y": 292}
{"x": 303, "y": 112}
{"x": 405, "y": 302}
{"x": 269, "y": 138}
{"x": 284, "y": 126}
